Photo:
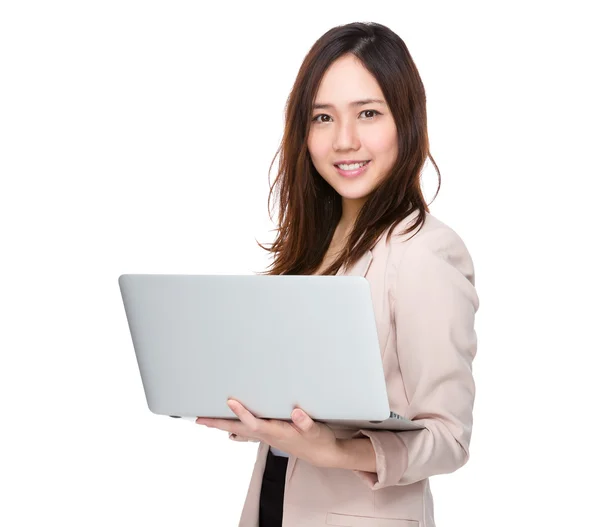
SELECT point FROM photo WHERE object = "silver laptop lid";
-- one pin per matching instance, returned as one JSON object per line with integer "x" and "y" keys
{"x": 271, "y": 342}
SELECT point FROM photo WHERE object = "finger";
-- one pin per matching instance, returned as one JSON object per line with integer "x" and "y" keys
{"x": 245, "y": 416}
{"x": 239, "y": 438}
{"x": 302, "y": 420}
{"x": 222, "y": 424}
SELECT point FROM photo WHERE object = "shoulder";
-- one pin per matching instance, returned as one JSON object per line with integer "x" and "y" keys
{"x": 435, "y": 246}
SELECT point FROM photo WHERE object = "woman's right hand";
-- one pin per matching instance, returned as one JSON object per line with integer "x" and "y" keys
{"x": 242, "y": 439}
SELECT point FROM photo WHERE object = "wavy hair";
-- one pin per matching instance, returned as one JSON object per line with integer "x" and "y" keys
{"x": 309, "y": 208}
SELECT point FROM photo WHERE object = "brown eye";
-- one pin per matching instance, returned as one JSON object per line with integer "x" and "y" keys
{"x": 375, "y": 112}
{"x": 320, "y": 115}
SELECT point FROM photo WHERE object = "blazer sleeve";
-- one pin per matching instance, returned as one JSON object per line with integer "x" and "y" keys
{"x": 434, "y": 304}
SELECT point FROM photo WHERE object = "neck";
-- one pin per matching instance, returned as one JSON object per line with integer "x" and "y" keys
{"x": 350, "y": 210}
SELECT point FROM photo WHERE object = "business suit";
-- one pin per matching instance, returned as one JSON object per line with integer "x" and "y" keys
{"x": 425, "y": 303}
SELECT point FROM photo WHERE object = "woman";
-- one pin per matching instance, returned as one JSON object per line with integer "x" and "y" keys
{"x": 354, "y": 145}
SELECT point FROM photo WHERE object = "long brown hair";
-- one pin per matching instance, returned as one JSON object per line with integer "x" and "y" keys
{"x": 309, "y": 208}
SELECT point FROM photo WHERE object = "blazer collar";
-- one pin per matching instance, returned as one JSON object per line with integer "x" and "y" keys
{"x": 360, "y": 268}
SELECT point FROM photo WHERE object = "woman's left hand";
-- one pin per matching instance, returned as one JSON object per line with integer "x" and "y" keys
{"x": 304, "y": 438}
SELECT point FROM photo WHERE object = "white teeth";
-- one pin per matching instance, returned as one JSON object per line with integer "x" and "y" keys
{"x": 353, "y": 166}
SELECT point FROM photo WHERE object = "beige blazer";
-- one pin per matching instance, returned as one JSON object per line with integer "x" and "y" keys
{"x": 425, "y": 302}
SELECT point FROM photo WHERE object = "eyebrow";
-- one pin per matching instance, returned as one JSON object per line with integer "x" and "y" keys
{"x": 362, "y": 102}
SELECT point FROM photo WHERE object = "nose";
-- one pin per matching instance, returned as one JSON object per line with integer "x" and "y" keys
{"x": 346, "y": 137}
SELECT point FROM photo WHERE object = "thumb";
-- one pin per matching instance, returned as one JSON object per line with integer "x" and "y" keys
{"x": 302, "y": 420}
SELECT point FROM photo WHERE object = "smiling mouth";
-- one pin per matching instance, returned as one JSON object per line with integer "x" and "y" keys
{"x": 359, "y": 163}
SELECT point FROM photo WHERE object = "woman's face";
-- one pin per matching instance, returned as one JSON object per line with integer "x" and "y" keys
{"x": 345, "y": 128}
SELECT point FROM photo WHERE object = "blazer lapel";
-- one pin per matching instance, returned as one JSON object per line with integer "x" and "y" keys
{"x": 360, "y": 268}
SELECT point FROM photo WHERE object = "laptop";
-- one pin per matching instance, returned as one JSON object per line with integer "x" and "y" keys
{"x": 272, "y": 342}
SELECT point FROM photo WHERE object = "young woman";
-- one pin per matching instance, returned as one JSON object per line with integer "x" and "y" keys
{"x": 354, "y": 145}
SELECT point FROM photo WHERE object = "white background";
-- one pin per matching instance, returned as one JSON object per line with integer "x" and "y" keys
{"x": 136, "y": 136}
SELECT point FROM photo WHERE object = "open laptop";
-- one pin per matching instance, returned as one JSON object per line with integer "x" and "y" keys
{"x": 270, "y": 342}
